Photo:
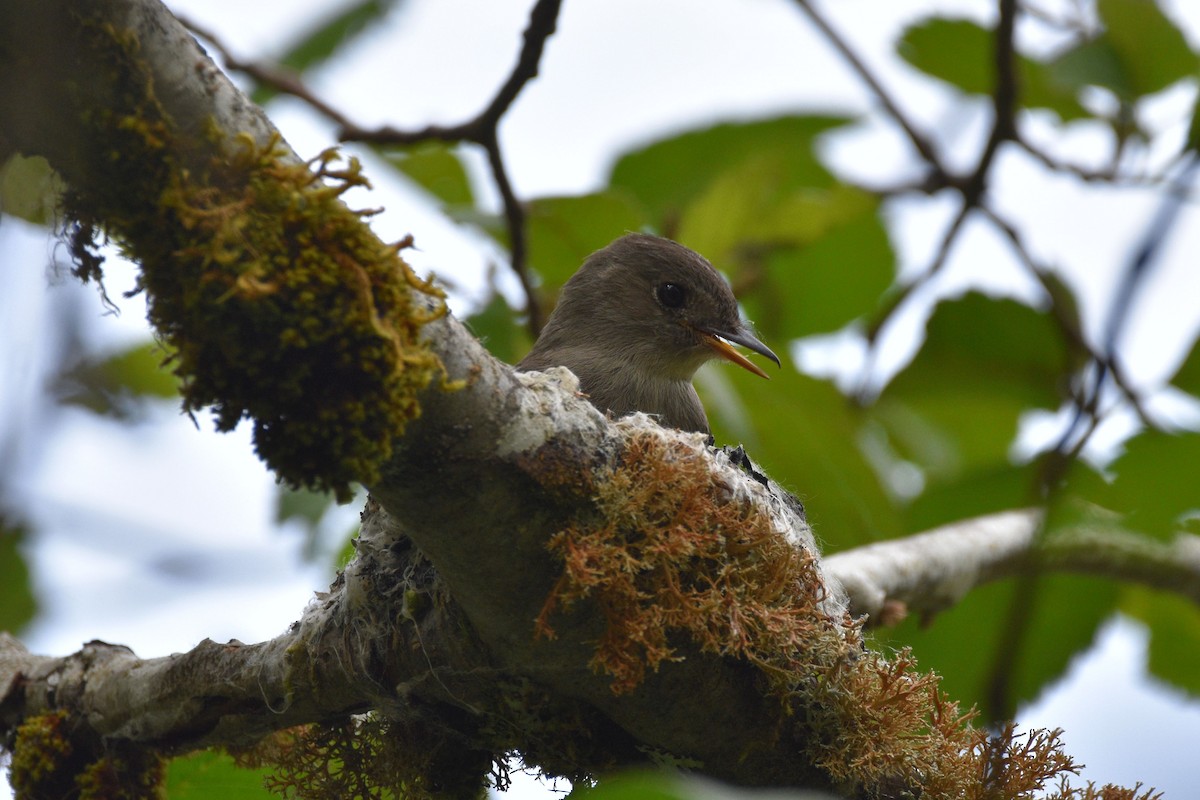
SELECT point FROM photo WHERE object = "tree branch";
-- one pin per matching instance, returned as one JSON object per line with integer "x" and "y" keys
{"x": 932, "y": 571}
{"x": 440, "y": 621}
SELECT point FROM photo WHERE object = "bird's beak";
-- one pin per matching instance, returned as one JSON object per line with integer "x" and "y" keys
{"x": 718, "y": 341}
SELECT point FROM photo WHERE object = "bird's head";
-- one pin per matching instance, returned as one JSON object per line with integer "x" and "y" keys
{"x": 657, "y": 304}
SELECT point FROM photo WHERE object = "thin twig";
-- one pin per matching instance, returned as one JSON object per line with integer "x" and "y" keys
{"x": 1066, "y": 321}
{"x": 1004, "y": 103}
{"x": 919, "y": 140}
{"x": 483, "y": 130}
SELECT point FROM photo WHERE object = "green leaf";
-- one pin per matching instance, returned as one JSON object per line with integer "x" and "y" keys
{"x": 497, "y": 327}
{"x": 1174, "y": 624}
{"x": 820, "y": 287}
{"x": 1141, "y": 52}
{"x": 114, "y": 385}
{"x": 960, "y": 52}
{"x": 436, "y": 168}
{"x": 984, "y": 362}
{"x": 208, "y": 774}
{"x": 1091, "y": 63}
{"x": 802, "y": 433}
{"x": 1187, "y": 377}
{"x": 666, "y": 175}
{"x": 956, "y": 51}
{"x": 326, "y": 38}
{"x": 963, "y": 643}
{"x": 563, "y": 231}
{"x": 29, "y": 189}
{"x": 763, "y": 201}
{"x": 17, "y": 604}
{"x": 1155, "y": 485}
{"x": 983, "y": 491}
{"x": 301, "y": 505}
{"x": 1151, "y": 48}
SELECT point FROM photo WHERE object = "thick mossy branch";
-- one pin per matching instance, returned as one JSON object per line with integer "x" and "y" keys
{"x": 681, "y": 558}
{"x": 276, "y": 301}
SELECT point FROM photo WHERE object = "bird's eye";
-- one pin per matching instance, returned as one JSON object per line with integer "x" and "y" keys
{"x": 671, "y": 295}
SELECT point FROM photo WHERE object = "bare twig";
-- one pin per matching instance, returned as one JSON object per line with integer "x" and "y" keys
{"x": 483, "y": 130}
{"x": 919, "y": 140}
{"x": 1066, "y": 321}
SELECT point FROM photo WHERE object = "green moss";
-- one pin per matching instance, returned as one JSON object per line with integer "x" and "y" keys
{"x": 41, "y": 756}
{"x": 278, "y": 303}
{"x": 133, "y": 776}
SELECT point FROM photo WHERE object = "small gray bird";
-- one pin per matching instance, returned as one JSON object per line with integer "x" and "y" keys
{"x": 636, "y": 322}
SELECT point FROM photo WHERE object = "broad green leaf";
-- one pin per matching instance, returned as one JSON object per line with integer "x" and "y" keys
{"x": 822, "y": 286}
{"x": 301, "y": 505}
{"x": 1188, "y": 375}
{"x": 666, "y": 175}
{"x": 115, "y": 384}
{"x": 964, "y": 643}
{"x": 17, "y": 604}
{"x": 497, "y": 327}
{"x": 1141, "y": 52}
{"x": 436, "y": 168}
{"x": 29, "y": 189}
{"x": 1151, "y": 48}
{"x": 1174, "y": 624}
{"x": 984, "y": 491}
{"x": 326, "y": 38}
{"x": 1092, "y": 63}
{"x": 207, "y": 774}
{"x": 985, "y": 361}
{"x": 563, "y": 231}
{"x": 762, "y": 202}
{"x": 1155, "y": 484}
{"x": 802, "y": 433}
{"x": 960, "y": 52}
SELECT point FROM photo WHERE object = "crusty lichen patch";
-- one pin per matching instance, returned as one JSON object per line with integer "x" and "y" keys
{"x": 274, "y": 298}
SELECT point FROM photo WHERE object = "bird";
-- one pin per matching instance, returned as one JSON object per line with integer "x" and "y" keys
{"x": 636, "y": 321}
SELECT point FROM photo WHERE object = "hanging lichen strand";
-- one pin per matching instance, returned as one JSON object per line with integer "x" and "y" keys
{"x": 274, "y": 300}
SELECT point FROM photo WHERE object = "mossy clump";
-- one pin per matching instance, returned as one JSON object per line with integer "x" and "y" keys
{"x": 680, "y": 556}
{"x": 41, "y": 756}
{"x": 274, "y": 299}
{"x": 283, "y": 307}
{"x": 670, "y": 559}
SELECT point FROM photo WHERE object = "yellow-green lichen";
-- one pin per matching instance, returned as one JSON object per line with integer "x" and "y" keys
{"x": 276, "y": 301}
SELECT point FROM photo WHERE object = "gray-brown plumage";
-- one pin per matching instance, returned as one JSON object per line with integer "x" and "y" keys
{"x": 636, "y": 322}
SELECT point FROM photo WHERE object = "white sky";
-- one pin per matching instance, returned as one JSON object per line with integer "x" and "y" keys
{"x": 159, "y": 536}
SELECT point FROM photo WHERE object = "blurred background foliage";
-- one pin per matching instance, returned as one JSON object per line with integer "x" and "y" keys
{"x": 810, "y": 253}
